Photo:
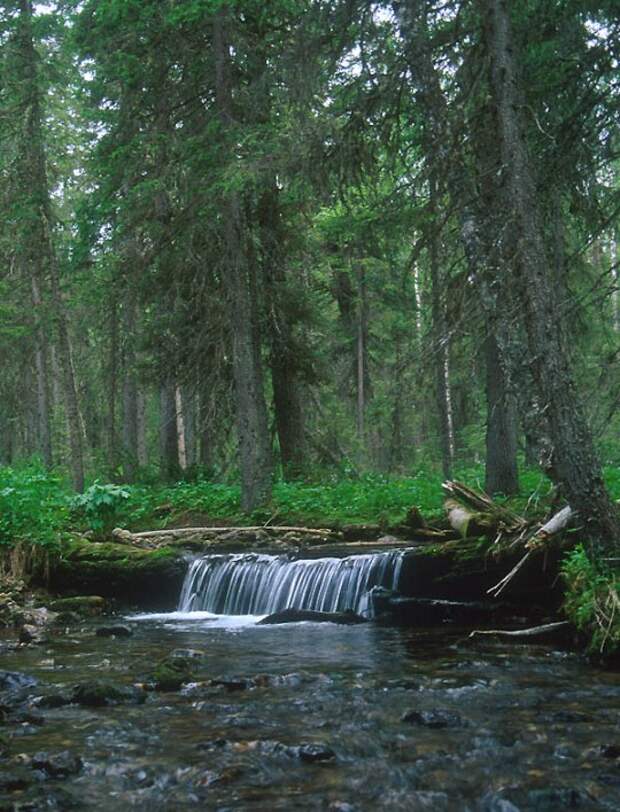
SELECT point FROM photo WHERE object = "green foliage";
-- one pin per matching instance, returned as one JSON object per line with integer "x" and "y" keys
{"x": 101, "y": 506}
{"x": 591, "y": 601}
{"x": 33, "y": 505}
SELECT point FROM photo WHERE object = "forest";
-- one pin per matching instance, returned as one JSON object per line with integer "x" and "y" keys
{"x": 309, "y": 404}
{"x": 257, "y": 243}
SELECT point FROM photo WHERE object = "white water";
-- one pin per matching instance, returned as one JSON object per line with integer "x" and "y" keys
{"x": 252, "y": 584}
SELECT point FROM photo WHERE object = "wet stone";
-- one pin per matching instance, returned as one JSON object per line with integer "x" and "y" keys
{"x": 188, "y": 653}
{"x": 172, "y": 673}
{"x": 99, "y": 694}
{"x": 493, "y": 802}
{"x": 14, "y": 780}
{"x": 51, "y": 701}
{"x": 57, "y": 765}
{"x": 15, "y": 680}
{"x": 433, "y": 719}
{"x": 570, "y": 717}
{"x": 32, "y": 634}
{"x": 114, "y": 631}
{"x": 311, "y": 753}
{"x": 554, "y": 799}
{"x": 610, "y": 750}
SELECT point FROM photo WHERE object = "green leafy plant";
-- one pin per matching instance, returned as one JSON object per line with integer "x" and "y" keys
{"x": 32, "y": 505}
{"x": 592, "y": 601}
{"x": 101, "y": 506}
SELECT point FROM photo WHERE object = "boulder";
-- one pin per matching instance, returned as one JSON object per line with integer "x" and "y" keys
{"x": 304, "y": 615}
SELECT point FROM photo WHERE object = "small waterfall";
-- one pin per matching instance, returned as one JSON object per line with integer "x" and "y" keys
{"x": 253, "y": 584}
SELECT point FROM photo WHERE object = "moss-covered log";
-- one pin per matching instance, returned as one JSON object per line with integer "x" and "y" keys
{"x": 148, "y": 578}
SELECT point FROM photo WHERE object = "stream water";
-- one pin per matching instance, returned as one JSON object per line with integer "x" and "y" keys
{"x": 314, "y": 716}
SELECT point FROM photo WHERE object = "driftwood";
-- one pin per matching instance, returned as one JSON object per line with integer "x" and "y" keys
{"x": 549, "y": 632}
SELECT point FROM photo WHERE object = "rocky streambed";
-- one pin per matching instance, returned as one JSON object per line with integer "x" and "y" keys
{"x": 195, "y": 711}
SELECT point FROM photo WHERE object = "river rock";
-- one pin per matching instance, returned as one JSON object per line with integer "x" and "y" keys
{"x": 433, "y": 718}
{"x": 312, "y": 753}
{"x": 99, "y": 694}
{"x": 171, "y": 673}
{"x": 114, "y": 631}
{"x": 32, "y": 634}
{"x": 57, "y": 765}
{"x": 11, "y": 681}
{"x": 304, "y": 615}
{"x": 15, "y": 780}
{"x": 90, "y": 605}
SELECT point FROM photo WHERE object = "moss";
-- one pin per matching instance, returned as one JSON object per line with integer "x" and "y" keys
{"x": 171, "y": 673}
{"x": 150, "y": 578}
{"x": 83, "y": 604}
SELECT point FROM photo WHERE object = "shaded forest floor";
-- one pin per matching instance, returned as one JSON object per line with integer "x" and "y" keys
{"x": 38, "y": 507}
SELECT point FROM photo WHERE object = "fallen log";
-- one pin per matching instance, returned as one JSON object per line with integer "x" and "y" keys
{"x": 482, "y": 504}
{"x": 180, "y": 532}
{"x": 558, "y": 522}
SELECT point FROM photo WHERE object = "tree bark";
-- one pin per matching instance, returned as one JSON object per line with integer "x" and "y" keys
{"x": 501, "y": 434}
{"x": 43, "y": 378}
{"x": 240, "y": 277}
{"x": 168, "y": 436}
{"x": 43, "y": 254}
{"x": 130, "y": 390}
{"x": 283, "y": 358}
{"x": 576, "y": 465}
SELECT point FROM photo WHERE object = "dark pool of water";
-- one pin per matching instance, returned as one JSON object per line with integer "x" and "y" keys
{"x": 525, "y": 729}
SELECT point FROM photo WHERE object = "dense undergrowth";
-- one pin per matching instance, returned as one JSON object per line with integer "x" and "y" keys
{"x": 38, "y": 508}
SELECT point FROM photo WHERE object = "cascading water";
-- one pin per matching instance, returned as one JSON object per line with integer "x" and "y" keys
{"x": 252, "y": 584}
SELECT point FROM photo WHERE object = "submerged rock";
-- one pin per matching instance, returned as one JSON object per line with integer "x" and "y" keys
{"x": 310, "y": 753}
{"x": 99, "y": 694}
{"x": 433, "y": 718}
{"x": 57, "y": 765}
{"x": 15, "y": 680}
{"x": 304, "y": 615}
{"x": 53, "y": 700}
{"x": 114, "y": 631}
{"x": 171, "y": 673}
{"x": 32, "y": 634}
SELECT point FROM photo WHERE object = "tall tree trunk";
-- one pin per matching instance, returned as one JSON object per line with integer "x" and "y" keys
{"x": 43, "y": 253}
{"x": 441, "y": 345}
{"x": 282, "y": 356}
{"x": 575, "y": 461}
{"x": 413, "y": 21}
{"x": 251, "y": 410}
{"x": 501, "y": 434}
{"x": 130, "y": 387}
{"x": 180, "y": 410}
{"x": 362, "y": 353}
{"x": 141, "y": 400}
{"x": 615, "y": 277}
{"x": 168, "y": 434}
{"x": 43, "y": 378}
{"x": 112, "y": 384}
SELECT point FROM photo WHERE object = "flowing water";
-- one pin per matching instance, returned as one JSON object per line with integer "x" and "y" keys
{"x": 252, "y": 584}
{"x": 317, "y": 717}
